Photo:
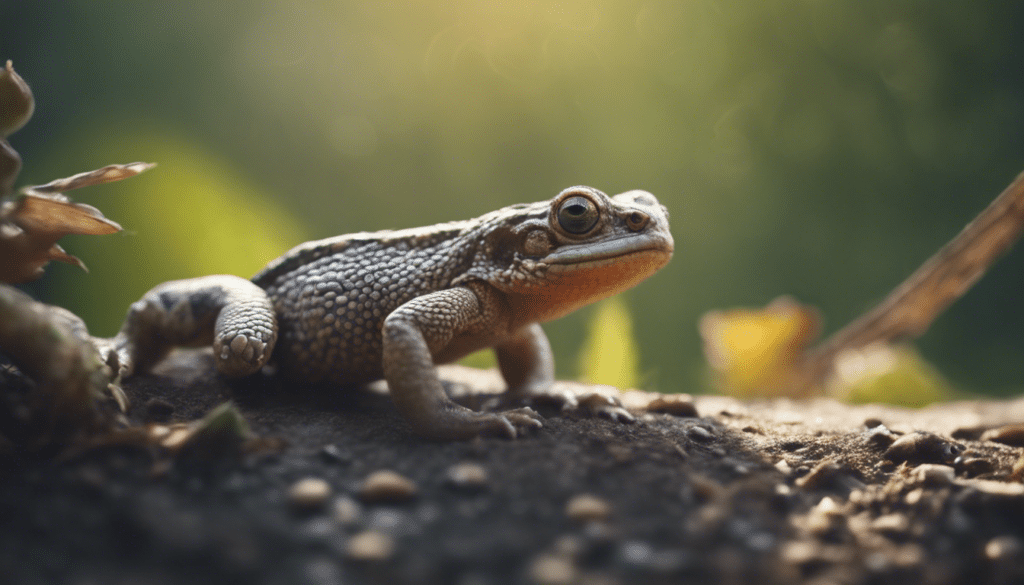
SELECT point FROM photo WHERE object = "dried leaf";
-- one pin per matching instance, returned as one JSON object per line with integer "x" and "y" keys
{"x": 31, "y": 224}
{"x": 59, "y": 217}
{"x": 107, "y": 174}
{"x": 30, "y": 227}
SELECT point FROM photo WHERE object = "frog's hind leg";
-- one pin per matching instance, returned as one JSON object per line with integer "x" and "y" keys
{"x": 231, "y": 313}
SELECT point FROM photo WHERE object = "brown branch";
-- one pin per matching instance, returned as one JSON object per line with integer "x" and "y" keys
{"x": 911, "y": 308}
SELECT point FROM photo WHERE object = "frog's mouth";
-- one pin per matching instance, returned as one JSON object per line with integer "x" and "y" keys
{"x": 597, "y": 252}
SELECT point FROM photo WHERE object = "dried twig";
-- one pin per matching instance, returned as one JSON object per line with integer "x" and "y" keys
{"x": 911, "y": 308}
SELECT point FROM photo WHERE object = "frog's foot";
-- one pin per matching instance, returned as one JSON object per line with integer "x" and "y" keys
{"x": 453, "y": 422}
{"x": 604, "y": 406}
{"x": 245, "y": 333}
{"x": 570, "y": 401}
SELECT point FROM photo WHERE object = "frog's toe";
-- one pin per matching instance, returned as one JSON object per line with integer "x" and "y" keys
{"x": 239, "y": 354}
{"x": 604, "y": 406}
{"x": 524, "y": 417}
{"x": 546, "y": 396}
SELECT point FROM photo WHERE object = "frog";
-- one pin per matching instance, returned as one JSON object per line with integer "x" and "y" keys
{"x": 348, "y": 310}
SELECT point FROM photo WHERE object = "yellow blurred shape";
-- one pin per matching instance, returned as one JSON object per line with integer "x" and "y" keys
{"x": 480, "y": 359}
{"x": 893, "y": 374}
{"x": 610, "y": 355}
{"x": 757, "y": 352}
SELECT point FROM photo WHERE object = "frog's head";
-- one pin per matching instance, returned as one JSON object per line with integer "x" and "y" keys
{"x": 554, "y": 257}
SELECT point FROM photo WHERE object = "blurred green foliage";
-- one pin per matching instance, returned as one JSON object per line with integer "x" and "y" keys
{"x": 817, "y": 148}
{"x": 194, "y": 216}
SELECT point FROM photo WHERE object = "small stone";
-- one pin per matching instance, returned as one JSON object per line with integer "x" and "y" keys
{"x": 699, "y": 434}
{"x": 587, "y": 508}
{"x": 937, "y": 475}
{"x": 783, "y": 466}
{"x": 175, "y": 437}
{"x": 880, "y": 436}
{"x": 387, "y": 486}
{"x": 891, "y": 524}
{"x": 552, "y": 570}
{"x": 993, "y": 489}
{"x": 823, "y": 474}
{"x": 370, "y": 546}
{"x": 922, "y": 447}
{"x": 676, "y": 405}
{"x": 914, "y": 496}
{"x": 467, "y": 476}
{"x": 309, "y": 493}
{"x": 976, "y": 466}
{"x": 345, "y": 510}
{"x": 1003, "y": 547}
{"x": 1012, "y": 435}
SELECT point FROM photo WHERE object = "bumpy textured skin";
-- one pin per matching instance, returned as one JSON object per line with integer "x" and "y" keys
{"x": 391, "y": 304}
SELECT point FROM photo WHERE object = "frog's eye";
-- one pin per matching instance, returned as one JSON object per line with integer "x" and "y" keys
{"x": 577, "y": 215}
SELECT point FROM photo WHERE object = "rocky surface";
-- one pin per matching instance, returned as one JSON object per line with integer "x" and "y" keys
{"x": 337, "y": 490}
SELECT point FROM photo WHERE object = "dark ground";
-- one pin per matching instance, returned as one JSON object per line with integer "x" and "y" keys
{"x": 748, "y": 492}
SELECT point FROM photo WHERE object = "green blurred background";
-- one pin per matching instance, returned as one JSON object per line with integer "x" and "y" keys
{"x": 811, "y": 147}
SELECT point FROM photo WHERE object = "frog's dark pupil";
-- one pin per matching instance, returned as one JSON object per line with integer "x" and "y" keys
{"x": 577, "y": 215}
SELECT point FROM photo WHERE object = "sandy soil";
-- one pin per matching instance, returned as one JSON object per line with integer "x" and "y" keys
{"x": 745, "y": 492}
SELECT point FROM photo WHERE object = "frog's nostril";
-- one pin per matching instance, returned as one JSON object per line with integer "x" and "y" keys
{"x": 637, "y": 220}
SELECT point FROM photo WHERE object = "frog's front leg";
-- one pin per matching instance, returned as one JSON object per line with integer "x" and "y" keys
{"x": 412, "y": 335}
{"x": 528, "y": 366}
{"x": 231, "y": 313}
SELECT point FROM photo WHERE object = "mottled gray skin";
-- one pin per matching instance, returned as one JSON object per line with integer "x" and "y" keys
{"x": 355, "y": 308}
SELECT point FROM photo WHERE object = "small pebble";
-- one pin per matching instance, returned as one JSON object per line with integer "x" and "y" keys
{"x": 177, "y": 437}
{"x": 387, "y": 486}
{"x": 937, "y": 475}
{"x": 891, "y": 524}
{"x": 309, "y": 493}
{"x": 676, "y": 405}
{"x": 587, "y": 508}
{"x": 824, "y": 473}
{"x": 922, "y": 447}
{"x": 699, "y": 434}
{"x": 370, "y": 546}
{"x": 1002, "y": 547}
{"x": 345, "y": 510}
{"x": 552, "y": 570}
{"x": 1012, "y": 435}
{"x": 880, "y": 436}
{"x": 467, "y": 476}
{"x": 975, "y": 466}
{"x": 913, "y": 497}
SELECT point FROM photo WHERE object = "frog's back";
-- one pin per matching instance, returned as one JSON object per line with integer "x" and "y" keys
{"x": 331, "y": 296}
